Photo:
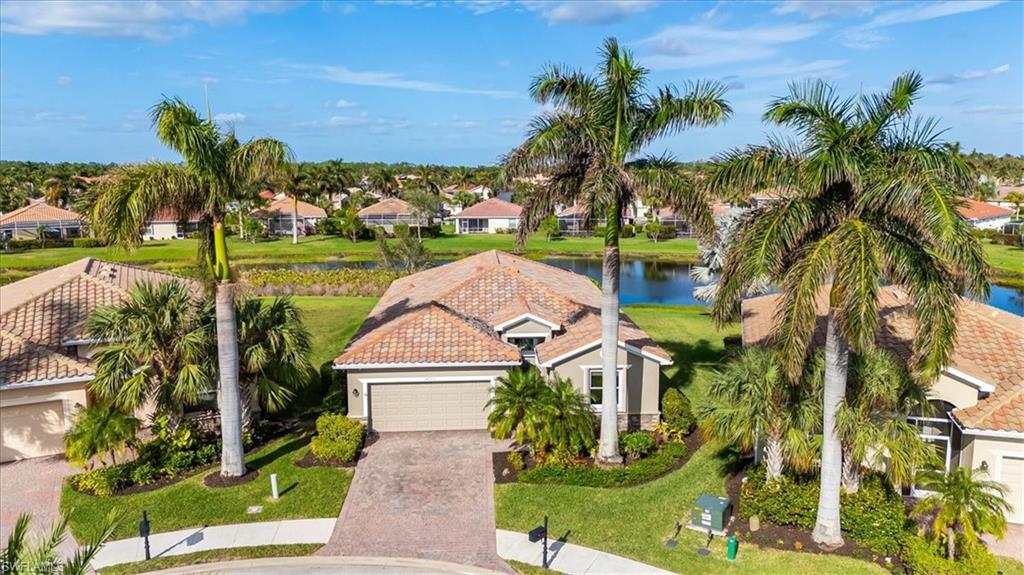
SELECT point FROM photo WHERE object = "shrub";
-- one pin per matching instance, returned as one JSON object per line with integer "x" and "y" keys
{"x": 925, "y": 557}
{"x": 1013, "y": 240}
{"x": 638, "y": 472}
{"x": 874, "y": 516}
{"x": 657, "y": 231}
{"x": 627, "y": 231}
{"x": 338, "y": 438}
{"x": 103, "y": 481}
{"x": 144, "y": 474}
{"x": 448, "y": 229}
{"x": 636, "y": 444}
{"x": 676, "y": 412}
{"x": 515, "y": 460}
{"x": 401, "y": 230}
{"x": 599, "y": 231}
{"x": 37, "y": 244}
{"x": 88, "y": 243}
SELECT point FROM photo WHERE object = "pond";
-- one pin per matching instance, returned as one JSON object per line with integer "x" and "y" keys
{"x": 665, "y": 282}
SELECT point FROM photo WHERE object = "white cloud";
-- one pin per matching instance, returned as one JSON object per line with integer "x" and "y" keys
{"x": 996, "y": 110}
{"x": 343, "y": 103}
{"x": 209, "y": 80}
{"x": 817, "y": 9}
{"x": 868, "y": 35}
{"x": 373, "y": 125}
{"x": 64, "y": 80}
{"x": 480, "y": 7}
{"x": 230, "y": 118}
{"x": 968, "y": 75}
{"x": 150, "y": 19}
{"x": 379, "y": 79}
{"x": 58, "y": 117}
{"x": 594, "y": 12}
{"x": 706, "y": 44}
{"x": 795, "y": 70}
{"x": 463, "y": 123}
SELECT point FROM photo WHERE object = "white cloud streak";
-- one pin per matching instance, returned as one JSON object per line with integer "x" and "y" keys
{"x": 593, "y": 12}
{"x": 818, "y": 9}
{"x": 968, "y": 75}
{"x": 869, "y": 35}
{"x": 380, "y": 79}
{"x": 706, "y": 44}
{"x": 230, "y": 118}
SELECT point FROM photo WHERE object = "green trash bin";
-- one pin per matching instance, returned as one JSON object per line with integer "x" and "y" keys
{"x": 734, "y": 547}
{"x": 710, "y": 512}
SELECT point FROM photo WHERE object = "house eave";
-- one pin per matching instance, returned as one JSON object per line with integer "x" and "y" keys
{"x": 411, "y": 365}
{"x": 47, "y": 382}
{"x": 630, "y": 348}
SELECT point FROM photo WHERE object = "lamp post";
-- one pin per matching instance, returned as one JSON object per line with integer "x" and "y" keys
{"x": 144, "y": 532}
{"x": 538, "y": 533}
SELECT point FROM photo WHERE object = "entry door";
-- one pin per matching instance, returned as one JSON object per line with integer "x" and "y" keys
{"x": 434, "y": 406}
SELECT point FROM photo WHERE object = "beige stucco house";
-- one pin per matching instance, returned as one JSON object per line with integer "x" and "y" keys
{"x": 978, "y": 420}
{"x": 432, "y": 349}
{"x": 44, "y": 354}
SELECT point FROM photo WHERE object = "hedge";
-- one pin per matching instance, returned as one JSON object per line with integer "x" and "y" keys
{"x": 925, "y": 557}
{"x": 1013, "y": 240}
{"x": 338, "y": 438}
{"x": 641, "y": 471}
{"x": 676, "y": 412}
{"x": 88, "y": 243}
{"x": 345, "y": 281}
{"x": 874, "y": 516}
{"x": 37, "y": 244}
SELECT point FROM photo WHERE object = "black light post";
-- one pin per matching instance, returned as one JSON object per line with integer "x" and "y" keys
{"x": 144, "y": 532}
{"x": 538, "y": 533}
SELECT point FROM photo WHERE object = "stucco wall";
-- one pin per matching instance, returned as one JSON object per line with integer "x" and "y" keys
{"x": 528, "y": 327}
{"x": 642, "y": 378}
{"x": 954, "y": 391}
{"x": 161, "y": 231}
{"x": 356, "y": 379}
{"x": 992, "y": 451}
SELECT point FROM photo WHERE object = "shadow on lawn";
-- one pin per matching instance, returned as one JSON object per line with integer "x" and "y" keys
{"x": 287, "y": 447}
{"x": 688, "y": 357}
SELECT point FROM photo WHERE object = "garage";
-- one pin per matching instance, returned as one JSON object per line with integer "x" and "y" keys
{"x": 1011, "y": 475}
{"x": 31, "y": 430}
{"x": 433, "y": 406}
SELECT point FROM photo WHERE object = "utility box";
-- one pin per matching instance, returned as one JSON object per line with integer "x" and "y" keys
{"x": 710, "y": 512}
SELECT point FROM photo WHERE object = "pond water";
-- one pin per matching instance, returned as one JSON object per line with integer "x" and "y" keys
{"x": 662, "y": 282}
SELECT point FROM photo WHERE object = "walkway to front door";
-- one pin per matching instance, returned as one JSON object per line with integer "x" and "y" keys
{"x": 428, "y": 495}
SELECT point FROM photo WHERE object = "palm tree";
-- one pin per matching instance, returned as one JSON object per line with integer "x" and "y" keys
{"x": 384, "y": 181}
{"x": 216, "y": 167}
{"x": 18, "y": 557}
{"x": 1017, "y": 200}
{"x": 332, "y": 178}
{"x": 98, "y": 429}
{"x": 157, "y": 349}
{"x": 870, "y": 196}
{"x": 600, "y": 123}
{"x": 425, "y": 206}
{"x": 428, "y": 179}
{"x": 295, "y": 182}
{"x": 274, "y": 347}
{"x": 465, "y": 198}
{"x": 517, "y": 404}
{"x": 872, "y": 425}
{"x": 461, "y": 176}
{"x": 566, "y": 419}
{"x": 59, "y": 189}
{"x": 963, "y": 503}
{"x": 754, "y": 397}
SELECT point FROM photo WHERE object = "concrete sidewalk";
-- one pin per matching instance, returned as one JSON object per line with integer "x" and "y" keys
{"x": 217, "y": 537}
{"x": 329, "y": 566}
{"x": 568, "y": 558}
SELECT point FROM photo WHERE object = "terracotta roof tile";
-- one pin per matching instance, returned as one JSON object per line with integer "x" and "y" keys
{"x": 38, "y": 212}
{"x": 282, "y": 208}
{"x": 975, "y": 210}
{"x": 387, "y": 207}
{"x": 492, "y": 208}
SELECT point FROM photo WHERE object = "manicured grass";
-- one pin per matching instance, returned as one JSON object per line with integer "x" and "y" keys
{"x": 635, "y": 522}
{"x": 689, "y": 335}
{"x": 527, "y": 569}
{"x": 213, "y": 556}
{"x": 182, "y": 253}
{"x": 312, "y": 492}
{"x": 1009, "y": 566}
{"x": 1005, "y": 258}
{"x": 331, "y": 321}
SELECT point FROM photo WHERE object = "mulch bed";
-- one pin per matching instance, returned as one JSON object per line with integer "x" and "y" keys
{"x": 216, "y": 480}
{"x": 504, "y": 473}
{"x": 310, "y": 460}
{"x": 792, "y": 538}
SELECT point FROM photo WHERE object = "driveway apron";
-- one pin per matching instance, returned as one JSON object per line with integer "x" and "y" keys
{"x": 33, "y": 486}
{"x": 423, "y": 495}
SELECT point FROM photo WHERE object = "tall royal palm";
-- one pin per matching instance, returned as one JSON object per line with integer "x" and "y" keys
{"x": 870, "y": 196}
{"x": 295, "y": 182}
{"x": 587, "y": 147}
{"x": 216, "y": 167}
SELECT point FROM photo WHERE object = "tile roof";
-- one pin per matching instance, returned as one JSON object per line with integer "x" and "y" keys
{"x": 38, "y": 212}
{"x": 586, "y": 331}
{"x": 40, "y": 313}
{"x": 282, "y": 208}
{"x": 482, "y": 291}
{"x": 990, "y": 347}
{"x": 492, "y": 208}
{"x": 172, "y": 215}
{"x": 387, "y": 207}
{"x": 975, "y": 210}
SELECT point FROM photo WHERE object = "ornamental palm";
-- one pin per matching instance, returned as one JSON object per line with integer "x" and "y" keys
{"x": 158, "y": 348}
{"x": 963, "y": 503}
{"x": 599, "y": 124}
{"x": 752, "y": 397}
{"x": 296, "y": 183}
{"x": 98, "y": 429}
{"x": 566, "y": 419}
{"x": 217, "y": 166}
{"x": 870, "y": 196}
{"x": 872, "y": 425}
{"x": 274, "y": 346}
{"x": 384, "y": 181}
{"x": 43, "y": 556}
{"x": 516, "y": 405}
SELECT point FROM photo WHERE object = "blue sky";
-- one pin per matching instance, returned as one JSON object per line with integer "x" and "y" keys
{"x": 447, "y": 82}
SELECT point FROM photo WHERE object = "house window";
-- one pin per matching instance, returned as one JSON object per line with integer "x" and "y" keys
{"x": 937, "y": 429}
{"x": 595, "y": 389}
{"x": 207, "y": 402}
{"x": 526, "y": 345}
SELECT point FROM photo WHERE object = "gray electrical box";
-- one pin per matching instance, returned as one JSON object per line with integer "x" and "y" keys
{"x": 710, "y": 512}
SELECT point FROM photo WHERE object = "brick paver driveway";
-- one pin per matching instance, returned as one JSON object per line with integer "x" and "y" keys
{"x": 422, "y": 495}
{"x": 32, "y": 486}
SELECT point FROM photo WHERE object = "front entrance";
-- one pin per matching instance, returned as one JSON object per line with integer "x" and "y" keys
{"x": 429, "y": 406}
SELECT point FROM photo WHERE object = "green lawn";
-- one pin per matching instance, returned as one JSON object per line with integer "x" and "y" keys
{"x": 171, "y": 254}
{"x": 1009, "y": 566}
{"x": 312, "y": 492}
{"x": 331, "y": 321}
{"x": 1006, "y": 260}
{"x": 212, "y": 556}
{"x": 635, "y": 522}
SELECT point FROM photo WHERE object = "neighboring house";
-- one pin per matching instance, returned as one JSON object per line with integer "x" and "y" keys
{"x": 978, "y": 420}
{"x": 27, "y": 221}
{"x": 488, "y": 217}
{"x": 435, "y": 344}
{"x": 278, "y": 216}
{"x": 1001, "y": 193}
{"x": 572, "y": 221}
{"x": 985, "y": 216}
{"x": 167, "y": 224}
{"x": 44, "y": 354}
{"x": 389, "y": 212}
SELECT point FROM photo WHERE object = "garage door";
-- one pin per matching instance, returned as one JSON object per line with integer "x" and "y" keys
{"x": 32, "y": 430}
{"x": 429, "y": 406}
{"x": 1012, "y": 475}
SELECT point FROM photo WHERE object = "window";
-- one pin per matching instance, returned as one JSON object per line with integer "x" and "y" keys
{"x": 937, "y": 429}
{"x": 526, "y": 345}
{"x": 596, "y": 389}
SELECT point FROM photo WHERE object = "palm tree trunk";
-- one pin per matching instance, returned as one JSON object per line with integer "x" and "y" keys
{"x": 773, "y": 458}
{"x": 608, "y": 451}
{"x": 241, "y": 222}
{"x": 828, "y": 530}
{"x": 851, "y": 472}
{"x": 232, "y": 460}
{"x": 950, "y": 544}
{"x": 295, "y": 220}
